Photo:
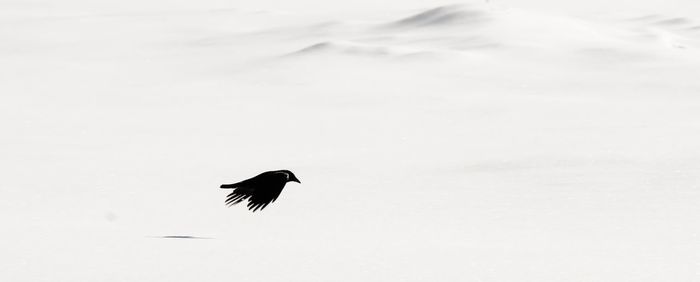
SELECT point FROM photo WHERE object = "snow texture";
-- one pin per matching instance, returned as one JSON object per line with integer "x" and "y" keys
{"x": 479, "y": 141}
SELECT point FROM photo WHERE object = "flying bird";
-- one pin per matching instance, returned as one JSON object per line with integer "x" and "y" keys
{"x": 261, "y": 190}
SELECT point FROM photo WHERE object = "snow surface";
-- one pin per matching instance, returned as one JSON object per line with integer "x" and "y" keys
{"x": 446, "y": 142}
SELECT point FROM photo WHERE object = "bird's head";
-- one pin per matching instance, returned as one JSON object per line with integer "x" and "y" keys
{"x": 291, "y": 177}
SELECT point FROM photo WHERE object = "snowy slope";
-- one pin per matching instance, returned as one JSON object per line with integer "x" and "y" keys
{"x": 456, "y": 142}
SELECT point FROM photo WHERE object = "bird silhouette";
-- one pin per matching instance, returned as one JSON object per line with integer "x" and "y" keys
{"x": 260, "y": 190}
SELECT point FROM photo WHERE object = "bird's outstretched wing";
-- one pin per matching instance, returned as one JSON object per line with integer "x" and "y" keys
{"x": 259, "y": 191}
{"x": 238, "y": 195}
{"x": 257, "y": 198}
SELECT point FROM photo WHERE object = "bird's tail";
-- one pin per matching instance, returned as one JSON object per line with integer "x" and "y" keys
{"x": 228, "y": 186}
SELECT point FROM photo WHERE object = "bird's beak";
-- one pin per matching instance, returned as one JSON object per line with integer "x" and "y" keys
{"x": 295, "y": 180}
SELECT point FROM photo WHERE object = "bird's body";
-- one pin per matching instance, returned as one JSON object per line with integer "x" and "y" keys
{"x": 260, "y": 190}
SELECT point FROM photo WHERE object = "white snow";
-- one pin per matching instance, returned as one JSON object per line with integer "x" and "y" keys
{"x": 434, "y": 141}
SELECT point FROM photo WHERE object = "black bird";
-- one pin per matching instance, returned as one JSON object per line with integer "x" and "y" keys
{"x": 261, "y": 190}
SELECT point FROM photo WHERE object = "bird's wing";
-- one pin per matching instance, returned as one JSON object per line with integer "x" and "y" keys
{"x": 259, "y": 193}
{"x": 238, "y": 195}
{"x": 264, "y": 197}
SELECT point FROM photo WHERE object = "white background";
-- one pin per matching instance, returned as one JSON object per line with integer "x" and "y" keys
{"x": 503, "y": 141}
